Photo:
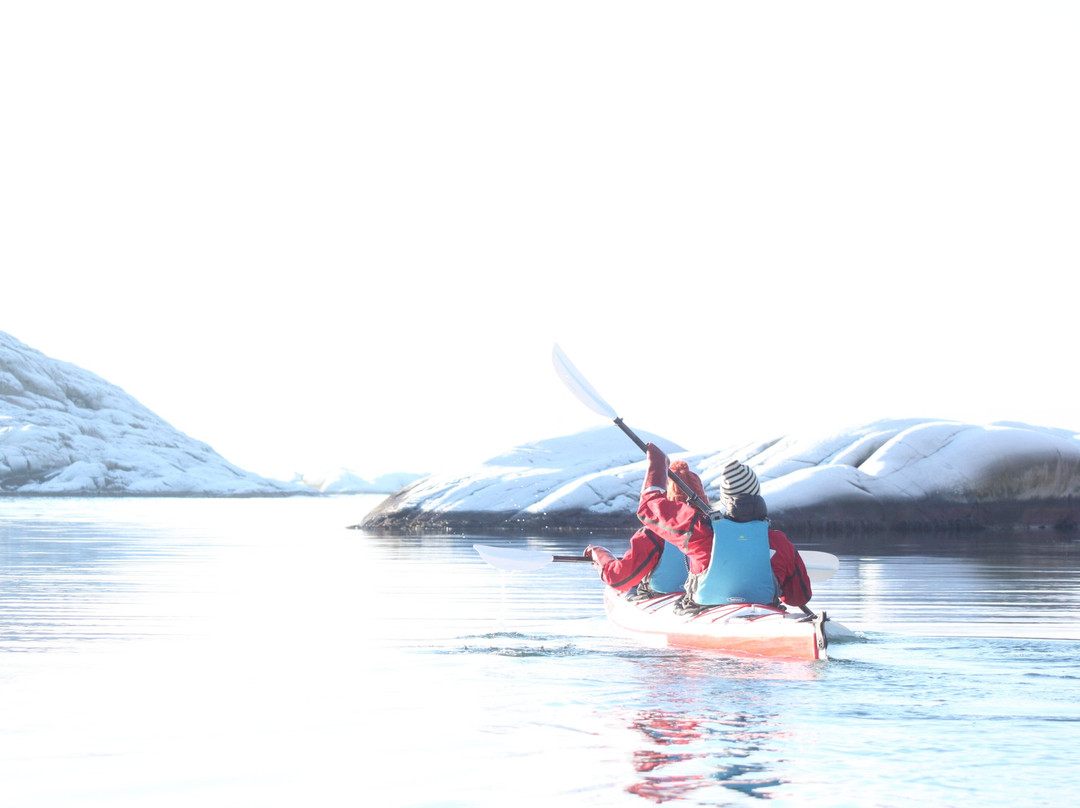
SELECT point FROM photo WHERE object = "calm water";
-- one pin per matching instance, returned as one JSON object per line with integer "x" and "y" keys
{"x": 257, "y": 653}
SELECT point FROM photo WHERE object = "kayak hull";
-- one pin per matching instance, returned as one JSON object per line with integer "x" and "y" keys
{"x": 741, "y": 629}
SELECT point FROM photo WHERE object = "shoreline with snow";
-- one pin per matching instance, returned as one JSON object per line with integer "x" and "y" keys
{"x": 65, "y": 432}
{"x": 897, "y": 475}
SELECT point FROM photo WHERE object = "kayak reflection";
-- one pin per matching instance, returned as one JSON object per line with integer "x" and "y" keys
{"x": 685, "y": 755}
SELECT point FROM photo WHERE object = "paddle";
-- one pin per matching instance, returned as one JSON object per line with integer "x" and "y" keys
{"x": 511, "y": 560}
{"x": 588, "y": 396}
{"x": 820, "y": 566}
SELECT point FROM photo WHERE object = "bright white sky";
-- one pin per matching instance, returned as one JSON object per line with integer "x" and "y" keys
{"x": 316, "y": 234}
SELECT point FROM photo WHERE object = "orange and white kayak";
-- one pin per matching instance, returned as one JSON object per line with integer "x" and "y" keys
{"x": 739, "y": 629}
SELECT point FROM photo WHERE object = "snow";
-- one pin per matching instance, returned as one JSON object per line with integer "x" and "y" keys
{"x": 941, "y": 459}
{"x": 892, "y": 462}
{"x": 66, "y": 431}
{"x": 569, "y": 471}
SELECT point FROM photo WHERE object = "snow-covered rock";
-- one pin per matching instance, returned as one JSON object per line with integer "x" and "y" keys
{"x": 896, "y": 474}
{"x": 66, "y": 431}
{"x": 593, "y": 474}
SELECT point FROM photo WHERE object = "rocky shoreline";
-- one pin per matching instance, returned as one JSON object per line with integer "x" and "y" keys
{"x": 828, "y": 519}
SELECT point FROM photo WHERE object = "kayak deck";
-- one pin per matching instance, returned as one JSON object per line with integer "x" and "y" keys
{"x": 740, "y": 629}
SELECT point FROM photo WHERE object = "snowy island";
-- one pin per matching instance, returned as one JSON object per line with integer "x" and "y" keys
{"x": 66, "y": 432}
{"x": 899, "y": 475}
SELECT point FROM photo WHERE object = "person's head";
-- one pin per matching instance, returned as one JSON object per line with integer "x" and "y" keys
{"x": 681, "y": 468}
{"x": 740, "y": 493}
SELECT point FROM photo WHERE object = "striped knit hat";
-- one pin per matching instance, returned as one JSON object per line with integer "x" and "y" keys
{"x": 737, "y": 478}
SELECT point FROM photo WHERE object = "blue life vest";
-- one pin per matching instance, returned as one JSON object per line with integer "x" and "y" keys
{"x": 740, "y": 570}
{"x": 670, "y": 572}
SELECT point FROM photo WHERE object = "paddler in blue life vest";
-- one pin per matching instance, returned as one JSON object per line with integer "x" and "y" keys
{"x": 667, "y": 516}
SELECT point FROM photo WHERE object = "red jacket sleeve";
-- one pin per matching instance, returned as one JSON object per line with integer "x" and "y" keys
{"x": 789, "y": 570}
{"x": 623, "y": 573}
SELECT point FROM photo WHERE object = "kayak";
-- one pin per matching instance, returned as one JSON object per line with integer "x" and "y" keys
{"x": 739, "y": 629}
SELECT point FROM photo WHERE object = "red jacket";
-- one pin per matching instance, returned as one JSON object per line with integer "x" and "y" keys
{"x": 680, "y": 524}
{"x": 684, "y": 526}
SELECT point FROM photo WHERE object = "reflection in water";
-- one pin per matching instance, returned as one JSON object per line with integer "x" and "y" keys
{"x": 69, "y": 581}
{"x": 1000, "y": 585}
{"x": 709, "y": 724}
{"x": 96, "y": 570}
{"x": 686, "y": 754}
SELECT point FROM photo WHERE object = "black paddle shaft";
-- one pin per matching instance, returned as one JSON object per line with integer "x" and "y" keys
{"x": 693, "y": 498}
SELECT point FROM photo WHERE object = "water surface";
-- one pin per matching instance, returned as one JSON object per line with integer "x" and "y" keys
{"x": 256, "y": 652}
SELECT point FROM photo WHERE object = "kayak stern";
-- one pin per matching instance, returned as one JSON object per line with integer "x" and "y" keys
{"x": 740, "y": 629}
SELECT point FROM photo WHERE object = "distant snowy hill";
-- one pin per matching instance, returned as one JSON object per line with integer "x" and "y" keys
{"x": 345, "y": 481}
{"x": 66, "y": 431}
{"x": 896, "y": 475}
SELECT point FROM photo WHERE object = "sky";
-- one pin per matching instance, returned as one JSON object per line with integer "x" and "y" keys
{"x": 347, "y": 234}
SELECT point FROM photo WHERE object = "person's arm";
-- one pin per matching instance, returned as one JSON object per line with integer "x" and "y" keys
{"x": 656, "y": 475}
{"x": 790, "y": 571}
{"x": 623, "y": 573}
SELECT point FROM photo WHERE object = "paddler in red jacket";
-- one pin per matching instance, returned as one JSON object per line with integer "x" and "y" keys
{"x": 665, "y": 515}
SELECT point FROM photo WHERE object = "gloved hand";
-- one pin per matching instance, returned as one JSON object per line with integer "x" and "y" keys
{"x": 656, "y": 476}
{"x": 600, "y": 556}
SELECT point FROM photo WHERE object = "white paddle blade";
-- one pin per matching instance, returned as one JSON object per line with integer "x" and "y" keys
{"x": 819, "y": 566}
{"x": 510, "y": 560}
{"x": 579, "y": 385}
